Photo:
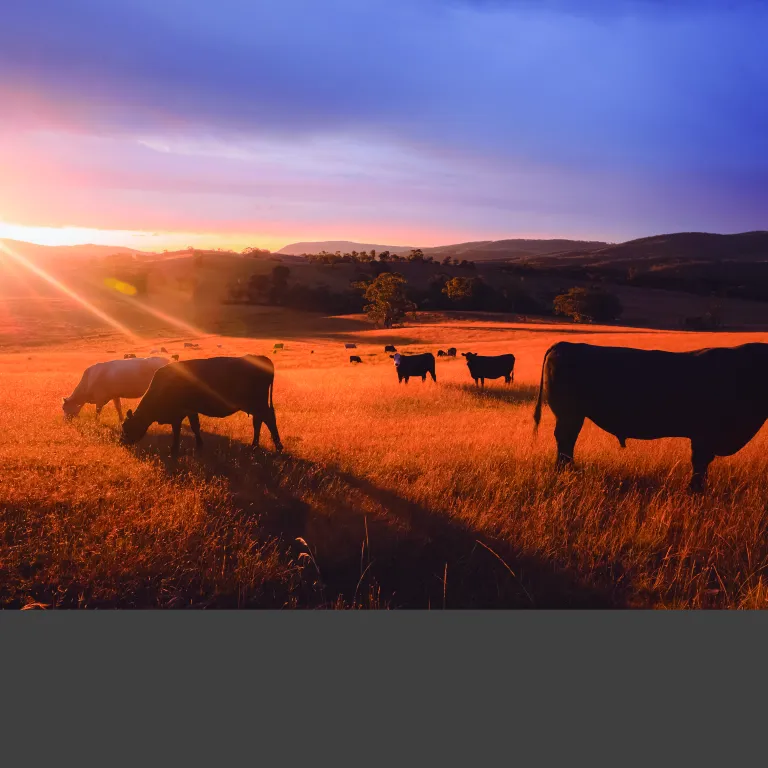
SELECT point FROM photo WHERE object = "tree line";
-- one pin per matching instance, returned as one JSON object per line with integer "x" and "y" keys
{"x": 387, "y": 298}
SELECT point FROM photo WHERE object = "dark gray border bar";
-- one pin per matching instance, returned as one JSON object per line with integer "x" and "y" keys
{"x": 544, "y": 688}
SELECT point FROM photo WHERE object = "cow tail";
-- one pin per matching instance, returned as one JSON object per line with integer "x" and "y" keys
{"x": 539, "y": 401}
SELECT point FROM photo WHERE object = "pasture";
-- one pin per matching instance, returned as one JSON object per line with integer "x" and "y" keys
{"x": 387, "y": 496}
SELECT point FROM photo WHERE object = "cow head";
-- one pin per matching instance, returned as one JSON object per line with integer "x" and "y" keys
{"x": 132, "y": 430}
{"x": 469, "y": 355}
{"x": 397, "y": 357}
{"x": 70, "y": 408}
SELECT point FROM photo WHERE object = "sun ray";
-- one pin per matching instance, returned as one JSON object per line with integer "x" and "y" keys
{"x": 56, "y": 283}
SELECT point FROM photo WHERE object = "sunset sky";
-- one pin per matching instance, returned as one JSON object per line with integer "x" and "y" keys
{"x": 417, "y": 122}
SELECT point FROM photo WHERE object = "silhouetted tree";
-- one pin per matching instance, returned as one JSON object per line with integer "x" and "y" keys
{"x": 588, "y": 305}
{"x": 387, "y": 301}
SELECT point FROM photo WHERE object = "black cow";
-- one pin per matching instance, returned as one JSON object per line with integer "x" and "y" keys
{"x": 175, "y": 357}
{"x": 214, "y": 386}
{"x": 482, "y": 367}
{"x": 128, "y": 356}
{"x": 414, "y": 365}
{"x": 355, "y": 359}
{"x": 390, "y": 348}
{"x": 441, "y": 353}
{"x": 714, "y": 397}
{"x": 451, "y": 352}
{"x": 350, "y": 346}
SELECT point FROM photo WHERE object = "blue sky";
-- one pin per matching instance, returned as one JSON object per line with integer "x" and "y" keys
{"x": 417, "y": 122}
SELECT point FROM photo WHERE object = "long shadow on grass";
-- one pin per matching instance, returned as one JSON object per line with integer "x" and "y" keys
{"x": 513, "y": 394}
{"x": 370, "y": 547}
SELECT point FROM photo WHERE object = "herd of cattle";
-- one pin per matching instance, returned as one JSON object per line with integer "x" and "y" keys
{"x": 714, "y": 397}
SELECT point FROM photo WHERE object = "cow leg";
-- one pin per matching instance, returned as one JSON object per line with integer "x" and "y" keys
{"x": 257, "y": 422}
{"x": 700, "y": 458}
{"x": 423, "y": 378}
{"x": 434, "y": 378}
{"x": 176, "y": 426}
{"x": 566, "y": 432}
{"x": 271, "y": 422}
{"x": 482, "y": 383}
{"x": 194, "y": 422}
{"x": 406, "y": 378}
{"x": 98, "y": 411}
{"x": 119, "y": 409}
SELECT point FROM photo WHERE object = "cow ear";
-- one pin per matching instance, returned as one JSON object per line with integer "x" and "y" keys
{"x": 129, "y": 414}
{"x": 392, "y": 356}
{"x": 63, "y": 399}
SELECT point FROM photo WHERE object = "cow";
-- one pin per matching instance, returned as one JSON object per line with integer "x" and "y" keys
{"x": 164, "y": 350}
{"x": 355, "y": 359}
{"x": 441, "y": 353}
{"x": 714, "y": 397}
{"x": 414, "y": 365}
{"x": 390, "y": 348}
{"x": 129, "y": 356}
{"x": 189, "y": 345}
{"x": 112, "y": 380}
{"x": 451, "y": 352}
{"x": 214, "y": 386}
{"x": 350, "y": 346}
{"x": 175, "y": 358}
{"x": 277, "y": 346}
{"x": 482, "y": 367}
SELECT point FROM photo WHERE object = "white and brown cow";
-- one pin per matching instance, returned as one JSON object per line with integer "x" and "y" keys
{"x": 112, "y": 380}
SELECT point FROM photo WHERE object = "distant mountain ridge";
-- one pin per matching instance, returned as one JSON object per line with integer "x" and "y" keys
{"x": 345, "y": 246}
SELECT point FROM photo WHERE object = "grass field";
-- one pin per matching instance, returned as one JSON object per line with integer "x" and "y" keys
{"x": 419, "y": 496}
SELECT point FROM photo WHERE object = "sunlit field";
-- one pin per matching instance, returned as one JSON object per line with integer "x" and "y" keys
{"x": 387, "y": 496}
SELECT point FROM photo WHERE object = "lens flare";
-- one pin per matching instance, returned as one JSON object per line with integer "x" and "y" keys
{"x": 51, "y": 280}
{"x": 120, "y": 286}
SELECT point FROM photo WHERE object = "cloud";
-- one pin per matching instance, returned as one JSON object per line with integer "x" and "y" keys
{"x": 612, "y": 113}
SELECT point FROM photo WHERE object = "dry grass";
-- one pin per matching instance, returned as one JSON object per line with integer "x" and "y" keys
{"x": 388, "y": 495}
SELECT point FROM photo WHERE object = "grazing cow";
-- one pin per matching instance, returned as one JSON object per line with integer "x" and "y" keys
{"x": 188, "y": 345}
{"x": 451, "y": 352}
{"x": 714, "y": 397}
{"x": 164, "y": 350}
{"x": 277, "y": 346}
{"x": 214, "y": 386}
{"x": 355, "y": 359}
{"x": 414, "y": 365}
{"x": 390, "y": 348}
{"x": 112, "y": 380}
{"x": 482, "y": 367}
{"x": 350, "y": 346}
{"x": 129, "y": 356}
{"x": 441, "y": 353}
{"x": 175, "y": 357}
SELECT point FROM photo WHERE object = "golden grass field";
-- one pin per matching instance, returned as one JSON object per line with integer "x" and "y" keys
{"x": 419, "y": 496}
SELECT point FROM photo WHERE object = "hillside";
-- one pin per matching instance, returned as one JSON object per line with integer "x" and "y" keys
{"x": 679, "y": 246}
{"x": 44, "y": 253}
{"x": 345, "y": 246}
{"x": 512, "y": 250}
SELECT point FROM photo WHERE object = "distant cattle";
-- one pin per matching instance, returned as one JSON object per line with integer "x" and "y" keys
{"x": 128, "y": 356}
{"x": 441, "y": 353}
{"x": 278, "y": 346}
{"x": 390, "y": 348}
{"x": 355, "y": 359}
{"x": 163, "y": 349}
{"x": 350, "y": 346}
{"x": 175, "y": 357}
{"x": 714, "y": 397}
{"x": 112, "y": 380}
{"x": 215, "y": 386}
{"x": 189, "y": 345}
{"x": 414, "y": 365}
{"x": 451, "y": 352}
{"x": 482, "y": 367}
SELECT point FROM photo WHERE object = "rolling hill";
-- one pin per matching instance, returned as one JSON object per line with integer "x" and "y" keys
{"x": 345, "y": 246}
